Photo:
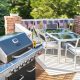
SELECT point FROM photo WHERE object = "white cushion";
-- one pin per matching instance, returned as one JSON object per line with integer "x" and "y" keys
{"x": 51, "y": 44}
{"x": 75, "y": 50}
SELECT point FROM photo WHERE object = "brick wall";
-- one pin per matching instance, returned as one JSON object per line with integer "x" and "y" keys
{"x": 10, "y": 23}
{"x": 77, "y": 24}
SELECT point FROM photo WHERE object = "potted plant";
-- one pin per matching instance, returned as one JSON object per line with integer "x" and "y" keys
{"x": 14, "y": 12}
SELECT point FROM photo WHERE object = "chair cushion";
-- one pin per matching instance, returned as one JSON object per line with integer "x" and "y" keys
{"x": 75, "y": 50}
{"x": 51, "y": 44}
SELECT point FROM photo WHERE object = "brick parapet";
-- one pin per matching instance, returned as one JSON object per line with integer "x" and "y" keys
{"x": 77, "y": 24}
{"x": 10, "y": 23}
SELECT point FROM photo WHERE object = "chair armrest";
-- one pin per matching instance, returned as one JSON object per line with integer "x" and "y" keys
{"x": 70, "y": 45}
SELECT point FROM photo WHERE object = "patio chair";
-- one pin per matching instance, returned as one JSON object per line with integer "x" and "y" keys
{"x": 47, "y": 44}
{"x": 61, "y": 24}
{"x": 73, "y": 49}
{"x": 51, "y": 25}
{"x": 71, "y": 25}
{"x": 38, "y": 24}
{"x": 30, "y": 25}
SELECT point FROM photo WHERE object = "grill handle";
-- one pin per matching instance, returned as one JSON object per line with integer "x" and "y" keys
{"x": 16, "y": 56}
{"x": 31, "y": 70}
{"x": 22, "y": 77}
{"x": 19, "y": 55}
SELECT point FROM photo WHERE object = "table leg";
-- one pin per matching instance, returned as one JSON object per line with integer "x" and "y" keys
{"x": 59, "y": 51}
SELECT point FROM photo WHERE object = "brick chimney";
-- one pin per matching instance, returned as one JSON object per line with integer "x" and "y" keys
{"x": 10, "y": 23}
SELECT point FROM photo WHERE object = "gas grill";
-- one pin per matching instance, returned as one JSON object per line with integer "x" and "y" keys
{"x": 17, "y": 57}
{"x": 14, "y": 45}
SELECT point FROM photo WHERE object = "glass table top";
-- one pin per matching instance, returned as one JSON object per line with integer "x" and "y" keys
{"x": 66, "y": 35}
{"x": 60, "y": 30}
{"x": 62, "y": 33}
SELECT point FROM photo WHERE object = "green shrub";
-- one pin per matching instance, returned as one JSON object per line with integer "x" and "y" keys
{"x": 2, "y": 31}
{"x": 14, "y": 10}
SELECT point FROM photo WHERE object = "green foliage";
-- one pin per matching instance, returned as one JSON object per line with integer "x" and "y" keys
{"x": 40, "y": 8}
{"x": 23, "y": 7}
{"x": 2, "y": 31}
{"x": 55, "y": 8}
{"x": 3, "y": 11}
{"x": 72, "y": 8}
{"x": 14, "y": 10}
{"x": 42, "y": 12}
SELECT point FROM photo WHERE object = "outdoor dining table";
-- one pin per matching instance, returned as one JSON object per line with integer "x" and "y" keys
{"x": 62, "y": 35}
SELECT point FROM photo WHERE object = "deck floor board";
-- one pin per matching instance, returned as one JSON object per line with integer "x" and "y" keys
{"x": 42, "y": 75}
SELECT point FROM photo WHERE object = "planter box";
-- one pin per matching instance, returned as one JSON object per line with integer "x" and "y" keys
{"x": 14, "y": 14}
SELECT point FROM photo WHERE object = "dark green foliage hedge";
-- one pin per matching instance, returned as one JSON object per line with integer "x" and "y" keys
{"x": 2, "y": 31}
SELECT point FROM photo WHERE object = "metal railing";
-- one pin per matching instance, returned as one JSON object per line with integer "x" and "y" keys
{"x": 41, "y": 23}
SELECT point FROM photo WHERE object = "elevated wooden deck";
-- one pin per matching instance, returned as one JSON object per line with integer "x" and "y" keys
{"x": 42, "y": 75}
{"x": 45, "y": 74}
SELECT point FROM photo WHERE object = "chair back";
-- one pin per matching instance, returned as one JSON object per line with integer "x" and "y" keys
{"x": 36, "y": 32}
{"x": 51, "y": 25}
{"x": 61, "y": 23}
{"x": 77, "y": 43}
{"x": 42, "y": 37}
{"x": 30, "y": 24}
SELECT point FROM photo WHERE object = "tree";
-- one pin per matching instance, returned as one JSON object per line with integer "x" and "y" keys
{"x": 47, "y": 8}
{"x": 23, "y": 6}
{"x": 40, "y": 9}
{"x": 55, "y": 8}
{"x": 42, "y": 12}
{"x": 3, "y": 11}
{"x": 58, "y": 7}
{"x": 72, "y": 8}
